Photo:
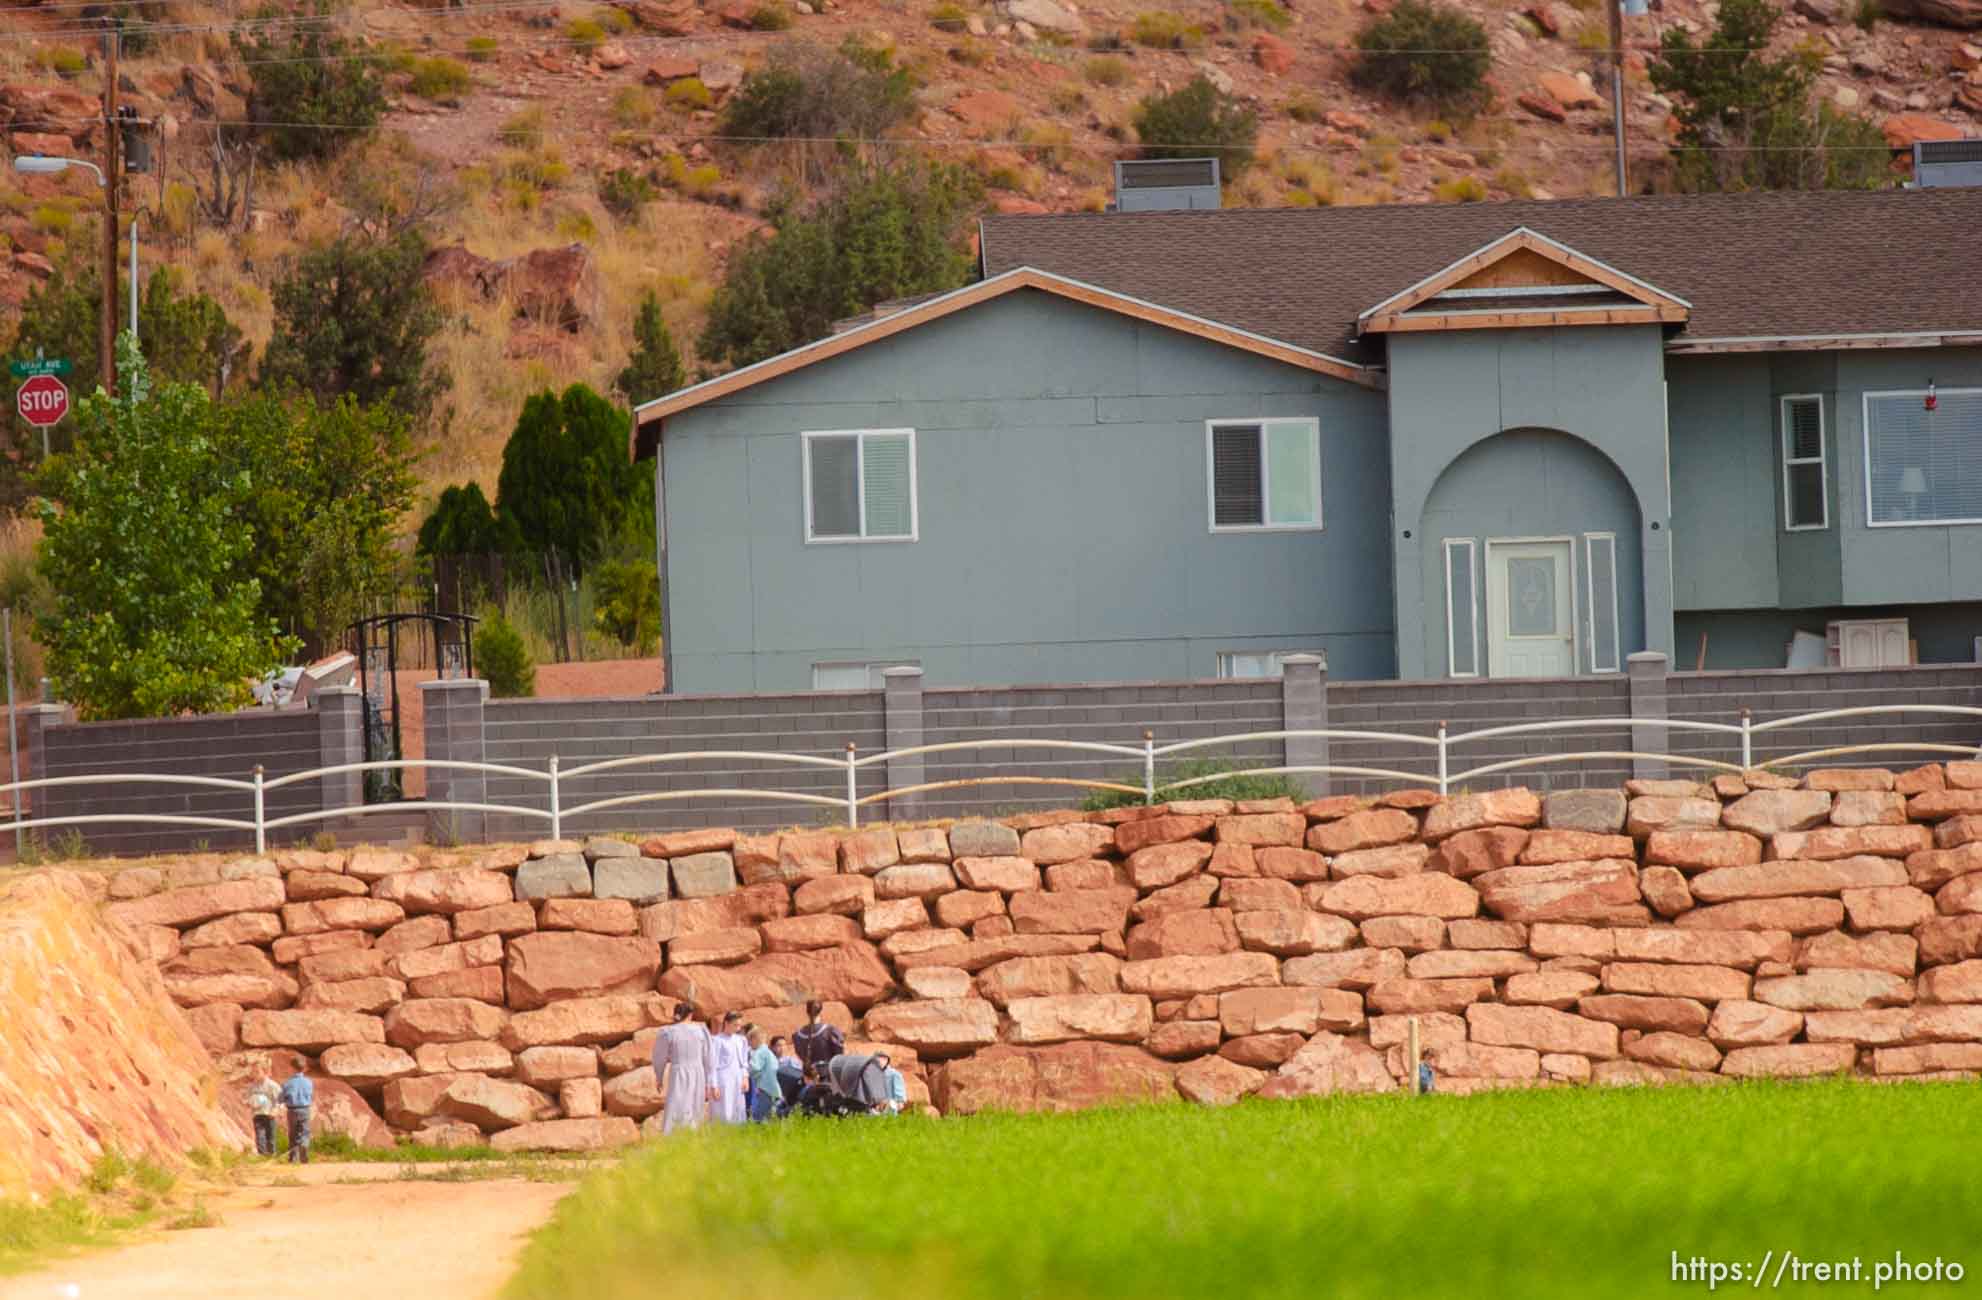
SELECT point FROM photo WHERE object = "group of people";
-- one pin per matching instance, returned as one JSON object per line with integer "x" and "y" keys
{"x": 297, "y": 1098}
{"x": 727, "y": 1071}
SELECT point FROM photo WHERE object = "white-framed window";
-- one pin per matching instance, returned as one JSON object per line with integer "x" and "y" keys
{"x": 860, "y": 485}
{"x": 1462, "y": 609}
{"x": 1263, "y": 474}
{"x": 1923, "y": 465}
{"x": 1600, "y": 600}
{"x": 853, "y": 675}
{"x": 1806, "y": 488}
{"x": 1255, "y": 663}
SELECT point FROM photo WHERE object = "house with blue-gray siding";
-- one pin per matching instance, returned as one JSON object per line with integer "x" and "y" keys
{"x": 1518, "y": 439}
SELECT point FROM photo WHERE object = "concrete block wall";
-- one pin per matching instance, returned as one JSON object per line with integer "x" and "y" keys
{"x": 229, "y": 745}
{"x": 526, "y": 733}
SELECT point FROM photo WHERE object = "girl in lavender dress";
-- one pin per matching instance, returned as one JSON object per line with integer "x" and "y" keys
{"x": 684, "y": 1065}
{"x": 731, "y": 1075}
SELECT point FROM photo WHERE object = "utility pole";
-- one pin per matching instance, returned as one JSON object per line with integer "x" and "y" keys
{"x": 1616, "y": 8}
{"x": 112, "y": 173}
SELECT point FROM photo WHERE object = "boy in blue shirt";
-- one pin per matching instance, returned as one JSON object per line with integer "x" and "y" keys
{"x": 299, "y": 1095}
{"x": 765, "y": 1092}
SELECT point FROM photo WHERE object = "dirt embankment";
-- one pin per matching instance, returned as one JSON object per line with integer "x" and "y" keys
{"x": 93, "y": 1051}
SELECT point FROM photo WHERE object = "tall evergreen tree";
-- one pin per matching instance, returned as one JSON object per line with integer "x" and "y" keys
{"x": 566, "y": 480}
{"x": 655, "y": 368}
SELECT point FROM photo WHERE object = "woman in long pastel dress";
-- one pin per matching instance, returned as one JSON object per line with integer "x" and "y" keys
{"x": 684, "y": 1067}
{"x": 732, "y": 1073}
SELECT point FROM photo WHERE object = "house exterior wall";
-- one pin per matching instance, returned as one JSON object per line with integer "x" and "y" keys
{"x": 1452, "y": 392}
{"x": 1725, "y": 541}
{"x": 1062, "y": 502}
{"x": 1744, "y": 579}
{"x": 1900, "y": 565}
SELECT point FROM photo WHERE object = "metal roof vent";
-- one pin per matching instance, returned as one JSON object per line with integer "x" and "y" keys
{"x": 1166, "y": 184}
{"x": 1939, "y": 164}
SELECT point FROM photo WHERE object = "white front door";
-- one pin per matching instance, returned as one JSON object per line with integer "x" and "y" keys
{"x": 1531, "y": 609}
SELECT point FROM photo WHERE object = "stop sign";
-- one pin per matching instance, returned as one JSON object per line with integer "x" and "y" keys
{"x": 42, "y": 400}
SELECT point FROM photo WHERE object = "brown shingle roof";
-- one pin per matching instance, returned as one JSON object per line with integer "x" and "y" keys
{"x": 1762, "y": 264}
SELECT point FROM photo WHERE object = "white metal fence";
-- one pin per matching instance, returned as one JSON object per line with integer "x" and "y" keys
{"x": 1741, "y": 740}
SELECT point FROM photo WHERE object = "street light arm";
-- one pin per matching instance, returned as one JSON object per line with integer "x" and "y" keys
{"x": 46, "y": 165}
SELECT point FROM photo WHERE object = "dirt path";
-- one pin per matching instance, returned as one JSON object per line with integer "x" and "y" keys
{"x": 320, "y": 1241}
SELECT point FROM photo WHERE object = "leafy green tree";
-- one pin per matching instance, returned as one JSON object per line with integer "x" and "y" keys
{"x": 463, "y": 522}
{"x": 151, "y": 612}
{"x": 566, "y": 479}
{"x": 655, "y": 367}
{"x": 327, "y": 487}
{"x": 186, "y": 336}
{"x": 627, "y": 603}
{"x": 1425, "y": 52}
{"x": 881, "y": 233}
{"x": 1198, "y": 121}
{"x": 502, "y": 658}
{"x": 1748, "y": 121}
{"x": 316, "y": 86}
{"x": 354, "y": 318}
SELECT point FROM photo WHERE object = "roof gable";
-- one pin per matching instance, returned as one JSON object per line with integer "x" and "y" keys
{"x": 648, "y": 415}
{"x": 1524, "y": 280}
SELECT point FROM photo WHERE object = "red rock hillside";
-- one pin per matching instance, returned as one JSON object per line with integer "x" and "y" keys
{"x": 92, "y": 1049}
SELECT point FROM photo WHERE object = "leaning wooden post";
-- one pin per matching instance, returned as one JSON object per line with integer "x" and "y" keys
{"x": 1414, "y": 1055}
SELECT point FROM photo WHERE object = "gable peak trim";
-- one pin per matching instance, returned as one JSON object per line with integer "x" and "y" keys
{"x": 1649, "y": 301}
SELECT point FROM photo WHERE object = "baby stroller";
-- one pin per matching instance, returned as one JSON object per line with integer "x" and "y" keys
{"x": 856, "y": 1085}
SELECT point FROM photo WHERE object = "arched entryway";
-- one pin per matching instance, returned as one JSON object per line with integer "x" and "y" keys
{"x": 1532, "y": 560}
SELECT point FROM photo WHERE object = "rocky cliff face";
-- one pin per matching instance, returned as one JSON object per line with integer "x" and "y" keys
{"x": 93, "y": 1051}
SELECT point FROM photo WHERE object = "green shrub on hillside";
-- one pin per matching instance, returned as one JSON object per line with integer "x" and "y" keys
{"x": 880, "y": 233}
{"x": 1424, "y": 52}
{"x": 855, "y": 92}
{"x": 441, "y": 79}
{"x": 1162, "y": 30}
{"x": 1749, "y": 121}
{"x": 1260, "y": 13}
{"x": 313, "y": 91}
{"x": 1198, "y": 121}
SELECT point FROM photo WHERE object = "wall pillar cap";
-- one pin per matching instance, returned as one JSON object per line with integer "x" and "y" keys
{"x": 439, "y": 684}
{"x": 1646, "y": 657}
{"x": 1304, "y": 659}
{"x": 903, "y": 671}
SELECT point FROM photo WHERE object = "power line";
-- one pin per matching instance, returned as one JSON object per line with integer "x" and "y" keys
{"x": 1019, "y": 143}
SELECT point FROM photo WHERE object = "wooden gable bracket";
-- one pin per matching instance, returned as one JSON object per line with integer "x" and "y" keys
{"x": 1523, "y": 261}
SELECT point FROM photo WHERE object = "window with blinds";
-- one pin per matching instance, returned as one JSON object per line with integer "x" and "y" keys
{"x": 1805, "y": 475}
{"x": 1600, "y": 600}
{"x": 1923, "y": 466}
{"x": 1462, "y": 610}
{"x": 860, "y": 486}
{"x": 1264, "y": 474}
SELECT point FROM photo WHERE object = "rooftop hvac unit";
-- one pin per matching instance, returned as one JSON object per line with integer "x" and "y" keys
{"x": 1940, "y": 164}
{"x": 1166, "y": 184}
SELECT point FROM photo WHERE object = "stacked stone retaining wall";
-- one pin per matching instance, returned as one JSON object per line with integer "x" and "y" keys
{"x": 1665, "y": 932}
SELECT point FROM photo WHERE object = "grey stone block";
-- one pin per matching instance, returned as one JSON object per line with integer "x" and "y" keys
{"x": 1599, "y": 811}
{"x": 561, "y": 875}
{"x": 703, "y": 875}
{"x": 636, "y": 879}
{"x": 979, "y": 839}
{"x": 601, "y": 847}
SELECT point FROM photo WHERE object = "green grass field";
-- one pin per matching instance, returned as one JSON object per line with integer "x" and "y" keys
{"x": 1570, "y": 1192}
